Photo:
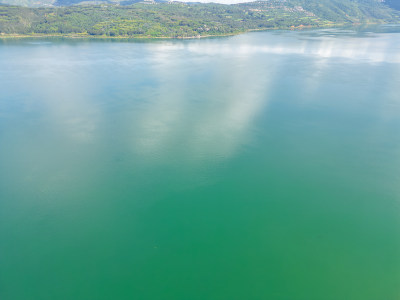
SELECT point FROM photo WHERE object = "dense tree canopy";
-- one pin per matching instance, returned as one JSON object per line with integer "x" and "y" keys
{"x": 188, "y": 20}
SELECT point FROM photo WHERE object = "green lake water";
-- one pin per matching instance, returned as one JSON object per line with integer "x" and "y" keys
{"x": 254, "y": 167}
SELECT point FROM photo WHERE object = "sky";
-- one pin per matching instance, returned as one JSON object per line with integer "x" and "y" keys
{"x": 220, "y": 1}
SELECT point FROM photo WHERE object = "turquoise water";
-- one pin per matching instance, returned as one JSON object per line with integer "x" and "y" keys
{"x": 260, "y": 166}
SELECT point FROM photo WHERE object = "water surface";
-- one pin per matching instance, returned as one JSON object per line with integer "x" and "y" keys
{"x": 260, "y": 166}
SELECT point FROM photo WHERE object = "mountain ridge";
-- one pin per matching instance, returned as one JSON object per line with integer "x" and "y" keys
{"x": 394, "y": 4}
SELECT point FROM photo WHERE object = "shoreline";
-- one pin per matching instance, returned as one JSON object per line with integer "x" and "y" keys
{"x": 100, "y": 37}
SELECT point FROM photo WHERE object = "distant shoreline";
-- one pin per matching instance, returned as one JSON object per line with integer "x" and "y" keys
{"x": 181, "y": 21}
{"x": 103, "y": 37}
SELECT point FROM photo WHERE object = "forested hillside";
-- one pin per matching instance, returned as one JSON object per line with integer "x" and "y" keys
{"x": 188, "y": 20}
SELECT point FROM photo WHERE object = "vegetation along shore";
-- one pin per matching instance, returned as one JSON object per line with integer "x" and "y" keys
{"x": 186, "y": 20}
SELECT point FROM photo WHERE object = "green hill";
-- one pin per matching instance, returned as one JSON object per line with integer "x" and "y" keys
{"x": 189, "y": 20}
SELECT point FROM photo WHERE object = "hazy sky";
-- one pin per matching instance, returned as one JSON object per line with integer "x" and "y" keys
{"x": 220, "y": 1}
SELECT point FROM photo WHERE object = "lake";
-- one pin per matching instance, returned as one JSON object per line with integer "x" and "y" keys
{"x": 259, "y": 166}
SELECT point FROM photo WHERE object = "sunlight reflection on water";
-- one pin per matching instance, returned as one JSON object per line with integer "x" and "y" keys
{"x": 267, "y": 163}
